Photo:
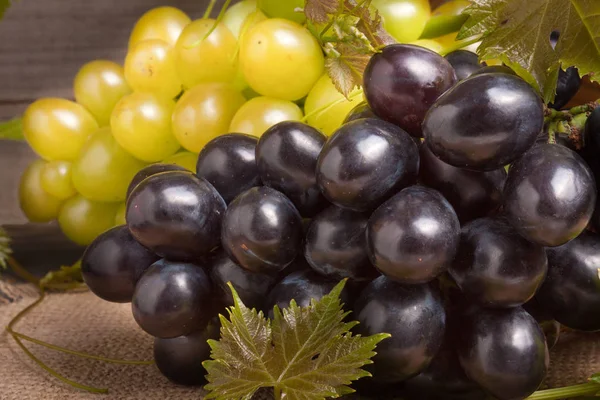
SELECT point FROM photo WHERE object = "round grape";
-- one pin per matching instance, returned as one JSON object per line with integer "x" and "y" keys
{"x": 150, "y": 170}
{"x": 362, "y": 110}
{"x": 163, "y": 23}
{"x": 37, "y": 204}
{"x": 464, "y": 62}
{"x": 55, "y": 179}
{"x": 236, "y": 15}
{"x": 83, "y": 220}
{"x": 403, "y": 19}
{"x": 184, "y": 159}
{"x": 260, "y": 113}
{"x": 283, "y": 9}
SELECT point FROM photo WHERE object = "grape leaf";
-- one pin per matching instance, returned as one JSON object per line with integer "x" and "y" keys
{"x": 304, "y": 353}
{"x": 370, "y": 23}
{"x": 518, "y": 33}
{"x": 346, "y": 68}
{"x": 318, "y": 11}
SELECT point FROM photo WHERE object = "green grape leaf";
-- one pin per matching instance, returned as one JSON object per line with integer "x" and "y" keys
{"x": 304, "y": 353}
{"x": 370, "y": 23}
{"x": 595, "y": 378}
{"x": 318, "y": 11}
{"x": 12, "y": 129}
{"x": 5, "y": 250}
{"x": 346, "y": 66}
{"x": 518, "y": 33}
{"x": 64, "y": 278}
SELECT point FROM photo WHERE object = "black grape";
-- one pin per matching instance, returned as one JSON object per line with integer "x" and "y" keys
{"x": 549, "y": 195}
{"x": 365, "y": 162}
{"x": 173, "y": 299}
{"x": 150, "y": 170}
{"x": 592, "y": 132}
{"x": 497, "y": 267}
{"x": 336, "y": 245}
{"x": 570, "y": 292}
{"x": 402, "y": 81}
{"x": 504, "y": 351}
{"x": 484, "y": 122}
{"x": 286, "y": 156}
{"x": 176, "y": 215}
{"x": 360, "y": 111}
{"x": 228, "y": 163}
{"x": 113, "y": 263}
{"x": 464, "y": 62}
{"x": 567, "y": 86}
{"x": 545, "y": 320}
{"x": 413, "y": 314}
{"x": 472, "y": 194}
{"x": 262, "y": 230}
{"x": 502, "y": 69}
{"x": 413, "y": 237}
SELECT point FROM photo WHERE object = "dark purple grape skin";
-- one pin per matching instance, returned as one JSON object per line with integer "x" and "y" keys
{"x": 113, "y": 263}
{"x": 592, "y": 133}
{"x": 365, "y": 162}
{"x": 180, "y": 359}
{"x": 472, "y": 194}
{"x": 549, "y": 195}
{"x": 262, "y": 230}
{"x": 362, "y": 110}
{"x": 286, "y": 156}
{"x": 484, "y": 122}
{"x": 495, "y": 266}
{"x": 545, "y": 320}
{"x": 403, "y": 81}
{"x": 494, "y": 69}
{"x": 173, "y": 299}
{"x": 567, "y": 86}
{"x": 413, "y": 314}
{"x": 228, "y": 163}
{"x": 413, "y": 237}
{"x": 570, "y": 292}
{"x": 464, "y": 62}
{"x": 336, "y": 245}
{"x": 176, "y": 215}
{"x": 504, "y": 351}
{"x": 150, "y": 170}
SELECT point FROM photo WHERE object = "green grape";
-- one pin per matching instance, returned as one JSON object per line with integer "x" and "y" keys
{"x": 260, "y": 113}
{"x": 164, "y": 23}
{"x": 236, "y": 15}
{"x": 280, "y": 59}
{"x": 82, "y": 220}
{"x": 326, "y": 108}
{"x": 213, "y": 59}
{"x": 98, "y": 86}
{"x": 104, "y": 169}
{"x": 56, "y": 129}
{"x": 150, "y": 67}
{"x": 283, "y": 9}
{"x": 203, "y": 113}
{"x": 184, "y": 159}
{"x": 120, "y": 215}
{"x": 404, "y": 19}
{"x": 141, "y": 124}
{"x": 55, "y": 179}
{"x": 450, "y": 8}
{"x": 36, "y": 203}
{"x": 433, "y": 45}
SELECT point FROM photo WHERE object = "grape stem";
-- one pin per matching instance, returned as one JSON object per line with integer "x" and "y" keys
{"x": 461, "y": 45}
{"x": 566, "y": 392}
{"x": 212, "y": 29}
{"x": 209, "y": 9}
{"x": 276, "y": 393}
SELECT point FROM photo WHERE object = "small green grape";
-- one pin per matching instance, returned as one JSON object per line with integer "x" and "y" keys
{"x": 260, "y": 113}
{"x": 184, "y": 159}
{"x": 164, "y": 23}
{"x": 55, "y": 179}
{"x": 82, "y": 220}
{"x": 35, "y": 202}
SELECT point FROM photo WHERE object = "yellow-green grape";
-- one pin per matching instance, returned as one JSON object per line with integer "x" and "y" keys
{"x": 56, "y": 129}
{"x": 283, "y": 9}
{"x": 36, "y": 203}
{"x": 236, "y": 15}
{"x": 104, "y": 169}
{"x": 280, "y": 59}
{"x": 55, "y": 179}
{"x": 82, "y": 220}
{"x": 451, "y": 8}
{"x": 449, "y": 41}
{"x": 260, "y": 113}
{"x": 164, "y": 23}
{"x": 150, "y": 67}
{"x": 98, "y": 86}
{"x": 141, "y": 124}
{"x": 203, "y": 113}
{"x": 430, "y": 44}
{"x": 326, "y": 108}
{"x": 120, "y": 216}
{"x": 184, "y": 159}
{"x": 213, "y": 59}
{"x": 404, "y": 19}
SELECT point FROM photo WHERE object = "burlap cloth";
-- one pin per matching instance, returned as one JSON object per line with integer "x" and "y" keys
{"x": 81, "y": 321}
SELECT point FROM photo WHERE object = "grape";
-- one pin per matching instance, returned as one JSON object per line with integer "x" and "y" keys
{"x": 550, "y": 194}
{"x": 403, "y": 81}
{"x": 180, "y": 359}
{"x": 429, "y": 44}
{"x": 362, "y": 110}
{"x": 172, "y": 299}
{"x": 413, "y": 314}
{"x": 260, "y": 113}
{"x": 184, "y": 159}
{"x": 545, "y": 320}
{"x": 570, "y": 292}
{"x": 403, "y": 19}
{"x": 281, "y": 59}
{"x": 37, "y": 204}
{"x": 464, "y": 62}
{"x": 55, "y": 179}
{"x": 413, "y": 237}
{"x": 203, "y": 113}
{"x": 213, "y": 59}
{"x": 495, "y": 266}
{"x": 365, "y": 162}
{"x": 228, "y": 162}
{"x": 104, "y": 169}
{"x": 502, "y": 69}
{"x": 57, "y": 129}
{"x": 120, "y": 215}
{"x": 150, "y": 67}
{"x": 113, "y": 263}
{"x": 141, "y": 124}
{"x": 98, "y": 86}
{"x": 283, "y": 9}
{"x": 317, "y": 107}
{"x": 472, "y": 194}
{"x": 504, "y": 351}
{"x": 176, "y": 215}
{"x": 484, "y": 122}
{"x": 286, "y": 156}
{"x": 262, "y": 230}
{"x": 164, "y": 23}
{"x": 592, "y": 133}
{"x": 82, "y": 220}
{"x": 150, "y": 170}
{"x": 236, "y": 15}
{"x": 567, "y": 86}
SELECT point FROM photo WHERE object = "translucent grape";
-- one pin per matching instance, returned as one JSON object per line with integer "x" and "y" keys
{"x": 283, "y": 9}
{"x": 184, "y": 159}
{"x": 37, "y": 204}
{"x": 55, "y": 179}
{"x": 82, "y": 220}
{"x": 260, "y": 113}
{"x": 404, "y": 19}
{"x": 236, "y": 15}
{"x": 164, "y": 23}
